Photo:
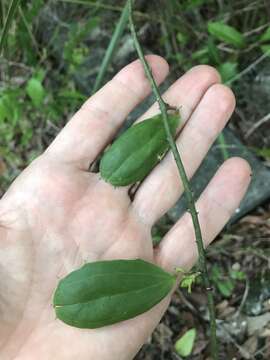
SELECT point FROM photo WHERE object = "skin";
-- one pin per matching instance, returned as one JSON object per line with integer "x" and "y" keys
{"x": 57, "y": 215}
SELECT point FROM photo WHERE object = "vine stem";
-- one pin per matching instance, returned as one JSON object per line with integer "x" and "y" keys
{"x": 186, "y": 184}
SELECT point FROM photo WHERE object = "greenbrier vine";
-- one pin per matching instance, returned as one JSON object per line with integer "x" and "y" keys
{"x": 188, "y": 191}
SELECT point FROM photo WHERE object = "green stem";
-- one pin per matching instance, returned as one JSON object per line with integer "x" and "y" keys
{"x": 188, "y": 191}
{"x": 111, "y": 48}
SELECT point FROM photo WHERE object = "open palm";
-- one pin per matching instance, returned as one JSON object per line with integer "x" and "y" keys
{"x": 57, "y": 215}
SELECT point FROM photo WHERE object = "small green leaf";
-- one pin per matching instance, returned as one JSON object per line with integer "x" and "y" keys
{"x": 213, "y": 52}
{"x": 134, "y": 154}
{"x": 182, "y": 38}
{"x": 266, "y": 49}
{"x": 265, "y": 36}
{"x": 201, "y": 55}
{"x": 188, "y": 280}
{"x": 35, "y": 91}
{"x": 237, "y": 275}
{"x": 106, "y": 292}
{"x": 227, "y": 71}
{"x": 10, "y": 107}
{"x": 224, "y": 284}
{"x": 185, "y": 344}
{"x": 226, "y": 33}
{"x": 225, "y": 287}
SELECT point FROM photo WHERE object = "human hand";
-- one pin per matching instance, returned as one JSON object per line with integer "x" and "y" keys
{"x": 57, "y": 215}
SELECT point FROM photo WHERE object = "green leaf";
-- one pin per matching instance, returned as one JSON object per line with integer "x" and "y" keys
{"x": 35, "y": 91}
{"x": 185, "y": 344}
{"x": 188, "y": 280}
{"x": 265, "y": 36}
{"x": 227, "y": 71}
{"x": 224, "y": 284}
{"x": 4, "y": 112}
{"x": 225, "y": 287}
{"x": 201, "y": 55}
{"x": 10, "y": 107}
{"x": 266, "y": 49}
{"x": 213, "y": 52}
{"x": 134, "y": 154}
{"x": 237, "y": 275}
{"x": 182, "y": 38}
{"x": 106, "y": 292}
{"x": 226, "y": 33}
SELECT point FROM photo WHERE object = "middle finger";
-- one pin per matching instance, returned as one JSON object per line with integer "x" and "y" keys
{"x": 161, "y": 189}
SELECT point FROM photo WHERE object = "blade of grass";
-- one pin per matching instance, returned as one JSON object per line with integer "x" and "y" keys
{"x": 100, "y": 5}
{"x": 97, "y": 4}
{"x": 10, "y": 16}
{"x": 118, "y": 32}
{"x": 223, "y": 146}
{"x": 29, "y": 31}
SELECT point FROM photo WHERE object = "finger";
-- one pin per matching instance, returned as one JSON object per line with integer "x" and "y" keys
{"x": 163, "y": 186}
{"x": 215, "y": 207}
{"x": 186, "y": 92}
{"x": 94, "y": 125}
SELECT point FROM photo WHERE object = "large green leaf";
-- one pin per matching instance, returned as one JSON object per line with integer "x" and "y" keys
{"x": 226, "y": 33}
{"x": 106, "y": 292}
{"x": 134, "y": 154}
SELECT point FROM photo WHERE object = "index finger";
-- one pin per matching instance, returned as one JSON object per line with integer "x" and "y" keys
{"x": 94, "y": 125}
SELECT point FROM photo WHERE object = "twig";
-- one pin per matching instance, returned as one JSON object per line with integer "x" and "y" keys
{"x": 188, "y": 304}
{"x": 244, "y": 298}
{"x": 249, "y": 68}
{"x": 257, "y": 125}
{"x": 111, "y": 48}
{"x": 240, "y": 348}
{"x": 188, "y": 191}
